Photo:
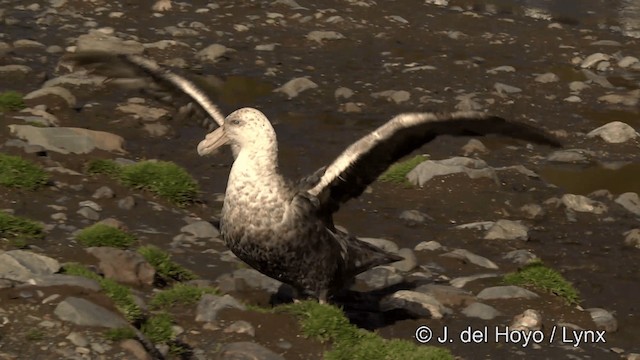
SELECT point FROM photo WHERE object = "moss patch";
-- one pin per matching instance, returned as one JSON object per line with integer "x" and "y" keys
{"x": 166, "y": 269}
{"x": 328, "y": 323}
{"x": 18, "y": 229}
{"x": 163, "y": 178}
{"x": 119, "y": 334}
{"x": 11, "y": 101}
{"x": 538, "y": 275}
{"x": 105, "y": 235}
{"x": 180, "y": 294}
{"x": 16, "y": 172}
{"x": 158, "y": 329}
{"x": 397, "y": 173}
{"x": 120, "y": 294}
{"x": 35, "y": 335}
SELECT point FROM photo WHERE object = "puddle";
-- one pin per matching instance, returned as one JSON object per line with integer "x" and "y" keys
{"x": 583, "y": 180}
{"x": 243, "y": 90}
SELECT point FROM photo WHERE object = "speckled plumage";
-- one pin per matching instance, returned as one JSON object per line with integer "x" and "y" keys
{"x": 284, "y": 229}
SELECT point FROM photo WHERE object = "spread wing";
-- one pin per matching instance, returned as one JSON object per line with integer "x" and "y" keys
{"x": 134, "y": 67}
{"x": 365, "y": 160}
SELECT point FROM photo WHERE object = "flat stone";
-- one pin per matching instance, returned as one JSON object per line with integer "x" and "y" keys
{"x": 295, "y": 86}
{"x": 22, "y": 265}
{"x": 210, "y": 305}
{"x": 520, "y": 257}
{"x": 614, "y": 132}
{"x": 241, "y": 327}
{"x": 547, "y": 78}
{"x": 629, "y": 201}
{"x": 472, "y": 258}
{"x": 506, "y": 292}
{"x": 428, "y": 246}
{"x": 83, "y": 312}
{"x": 384, "y": 244}
{"x": 380, "y": 277}
{"x": 97, "y": 40}
{"x": 409, "y": 263}
{"x": 66, "y": 280}
{"x": 212, "y": 52}
{"x": 247, "y": 351}
{"x": 481, "y": 311}
{"x": 429, "y": 169}
{"x": 632, "y": 238}
{"x": 415, "y": 303}
{"x": 201, "y": 229}
{"x": 529, "y": 320}
{"x": 507, "y": 230}
{"x": 67, "y": 140}
{"x": 320, "y": 36}
{"x": 123, "y": 265}
{"x": 60, "y": 92}
{"x": 460, "y": 282}
{"x": 582, "y": 203}
{"x": 447, "y": 295}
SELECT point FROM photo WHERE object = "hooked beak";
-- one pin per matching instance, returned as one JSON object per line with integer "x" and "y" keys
{"x": 212, "y": 141}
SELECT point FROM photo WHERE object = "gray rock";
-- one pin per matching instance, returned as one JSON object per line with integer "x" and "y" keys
{"x": 212, "y": 52}
{"x": 412, "y": 217}
{"x": 99, "y": 40}
{"x": 466, "y": 255}
{"x": 247, "y": 351}
{"x": 532, "y": 211}
{"x": 603, "y": 319}
{"x": 60, "y": 92}
{"x": 210, "y": 305}
{"x": 447, "y": 295}
{"x": 380, "y": 277}
{"x": 507, "y": 230}
{"x": 415, "y": 303}
{"x": 66, "y": 140}
{"x": 66, "y": 280}
{"x": 629, "y": 201}
{"x": 123, "y": 265}
{"x": 506, "y": 89}
{"x": 627, "y": 61}
{"x": 409, "y": 263}
{"x": 429, "y": 169}
{"x": 343, "y": 92}
{"x": 478, "y": 225}
{"x": 520, "y": 257}
{"x": 460, "y": 282}
{"x": 83, "y": 312}
{"x": 547, "y": 78}
{"x": 21, "y": 265}
{"x": 397, "y": 96}
{"x": 90, "y": 204}
{"x": 127, "y": 203}
{"x": 201, "y": 229}
{"x": 474, "y": 146}
{"x": 243, "y": 279}
{"x": 241, "y": 327}
{"x": 506, "y": 292}
{"x": 481, "y": 311}
{"x": 593, "y": 60}
{"x": 384, "y": 244}
{"x": 632, "y": 238}
{"x": 88, "y": 213}
{"x": 77, "y": 339}
{"x": 135, "y": 348}
{"x": 614, "y": 132}
{"x": 583, "y": 204}
{"x": 103, "y": 192}
{"x": 428, "y": 246}
{"x": 295, "y": 86}
{"x": 569, "y": 156}
{"x": 23, "y": 69}
{"x": 529, "y": 320}
{"x": 503, "y": 68}
{"x": 320, "y": 36}
{"x": 143, "y": 112}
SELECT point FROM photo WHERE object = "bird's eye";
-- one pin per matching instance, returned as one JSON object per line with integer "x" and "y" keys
{"x": 235, "y": 122}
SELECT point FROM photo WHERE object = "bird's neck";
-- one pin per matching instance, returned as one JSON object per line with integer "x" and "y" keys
{"x": 258, "y": 168}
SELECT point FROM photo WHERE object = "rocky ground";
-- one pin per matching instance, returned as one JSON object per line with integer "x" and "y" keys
{"x": 326, "y": 74}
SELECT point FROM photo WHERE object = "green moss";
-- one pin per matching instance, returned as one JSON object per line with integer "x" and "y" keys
{"x": 328, "y": 323}
{"x": 397, "y": 173}
{"x": 158, "y": 328}
{"x": 35, "y": 335}
{"x": 180, "y": 294}
{"x": 16, "y": 172}
{"x": 538, "y": 275}
{"x": 105, "y": 167}
{"x": 11, "y": 101}
{"x": 119, "y": 294}
{"x": 166, "y": 269}
{"x": 105, "y": 235}
{"x": 163, "y": 178}
{"x": 118, "y": 334}
{"x": 19, "y": 230}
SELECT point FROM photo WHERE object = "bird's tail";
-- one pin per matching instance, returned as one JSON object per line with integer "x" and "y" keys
{"x": 364, "y": 256}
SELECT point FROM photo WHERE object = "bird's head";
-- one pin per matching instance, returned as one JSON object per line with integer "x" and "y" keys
{"x": 246, "y": 128}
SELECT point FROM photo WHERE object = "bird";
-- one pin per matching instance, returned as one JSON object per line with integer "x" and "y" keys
{"x": 284, "y": 228}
